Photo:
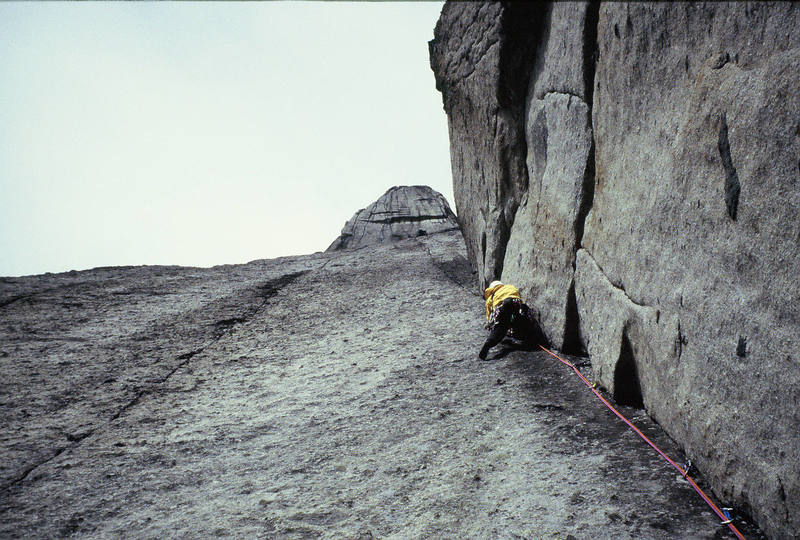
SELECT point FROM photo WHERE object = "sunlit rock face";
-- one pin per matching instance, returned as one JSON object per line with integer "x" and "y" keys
{"x": 656, "y": 223}
{"x": 400, "y": 213}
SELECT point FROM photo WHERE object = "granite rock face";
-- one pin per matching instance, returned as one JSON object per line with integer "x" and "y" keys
{"x": 697, "y": 215}
{"x": 547, "y": 230}
{"x": 400, "y": 213}
{"x": 522, "y": 190}
{"x": 316, "y": 396}
{"x": 478, "y": 54}
{"x": 659, "y": 228}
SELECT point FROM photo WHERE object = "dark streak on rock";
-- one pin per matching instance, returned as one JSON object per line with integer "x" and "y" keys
{"x": 679, "y": 342}
{"x": 741, "y": 347}
{"x": 271, "y": 287}
{"x": 406, "y": 219}
{"x": 228, "y": 323}
{"x": 457, "y": 269}
{"x": 13, "y": 299}
{"x": 31, "y": 295}
{"x": 189, "y": 355}
{"x": 547, "y": 406}
{"x": 732, "y": 186}
{"x": 139, "y": 395}
{"x": 483, "y": 252}
{"x": 28, "y": 470}
{"x": 265, "y": 292}
{"x": 78, "y": 437}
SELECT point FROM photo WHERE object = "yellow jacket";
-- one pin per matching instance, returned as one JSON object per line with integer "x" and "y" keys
{"x": 498, "y": 293}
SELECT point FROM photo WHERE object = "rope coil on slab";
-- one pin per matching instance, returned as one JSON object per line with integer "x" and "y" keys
{"x": 725, "y": 519}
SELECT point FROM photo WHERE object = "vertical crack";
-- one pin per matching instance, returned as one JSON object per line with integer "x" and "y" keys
{"x": 587, "y": 197}
{"x": 483, "y": 255}
{"x": 590, "y": 56}
{"x": 521, "y": 28}
{"x": 590, "y": 49}
{"x": 680, "y": 340}
{"x": 572, "y": 337}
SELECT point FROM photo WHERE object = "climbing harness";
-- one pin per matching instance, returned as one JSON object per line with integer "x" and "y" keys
{"x": 518, "y": 311}
{"x": 724, "y": 514}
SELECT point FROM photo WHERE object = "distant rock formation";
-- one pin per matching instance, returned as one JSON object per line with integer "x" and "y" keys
{"x": 633, "y": 168}
{"x": 402, "y": 212}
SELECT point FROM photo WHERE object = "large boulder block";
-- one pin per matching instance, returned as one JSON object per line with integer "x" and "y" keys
{"x": 547, "y": 230}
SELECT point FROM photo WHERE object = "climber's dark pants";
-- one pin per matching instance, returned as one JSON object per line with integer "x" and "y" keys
{"x": 513, "y": 314}
{"x": 507, "y": 318}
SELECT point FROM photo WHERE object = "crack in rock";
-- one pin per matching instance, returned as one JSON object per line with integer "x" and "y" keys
{"x": 405, "y": 218}
{"x": 28, "y": 470}
{"x": 17, "y": 298}
{"x": 619, "y": 287}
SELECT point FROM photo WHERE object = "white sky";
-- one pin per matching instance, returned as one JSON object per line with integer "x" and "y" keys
{"x": 203, "y": 133}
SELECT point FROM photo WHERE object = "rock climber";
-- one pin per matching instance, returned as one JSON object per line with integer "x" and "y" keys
{"x": 506, "y": 311}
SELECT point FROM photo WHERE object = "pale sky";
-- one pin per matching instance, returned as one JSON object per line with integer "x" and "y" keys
{"x": 201, "y": 133}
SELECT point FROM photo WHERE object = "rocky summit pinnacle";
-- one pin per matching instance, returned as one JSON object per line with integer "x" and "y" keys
{"x": 402, "y": 212}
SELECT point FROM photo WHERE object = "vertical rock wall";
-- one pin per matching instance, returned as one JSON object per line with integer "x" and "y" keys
{"x": 696, "y": 219}
{"x": 644, "y": 193}
{"x": 548, "y": 227}
{"x": 481, "y": 56}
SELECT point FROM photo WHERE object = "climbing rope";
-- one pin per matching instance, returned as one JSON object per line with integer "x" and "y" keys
{"x": 726, "y": 520}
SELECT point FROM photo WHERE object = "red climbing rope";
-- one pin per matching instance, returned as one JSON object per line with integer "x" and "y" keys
{"x": 725, "y": 519}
